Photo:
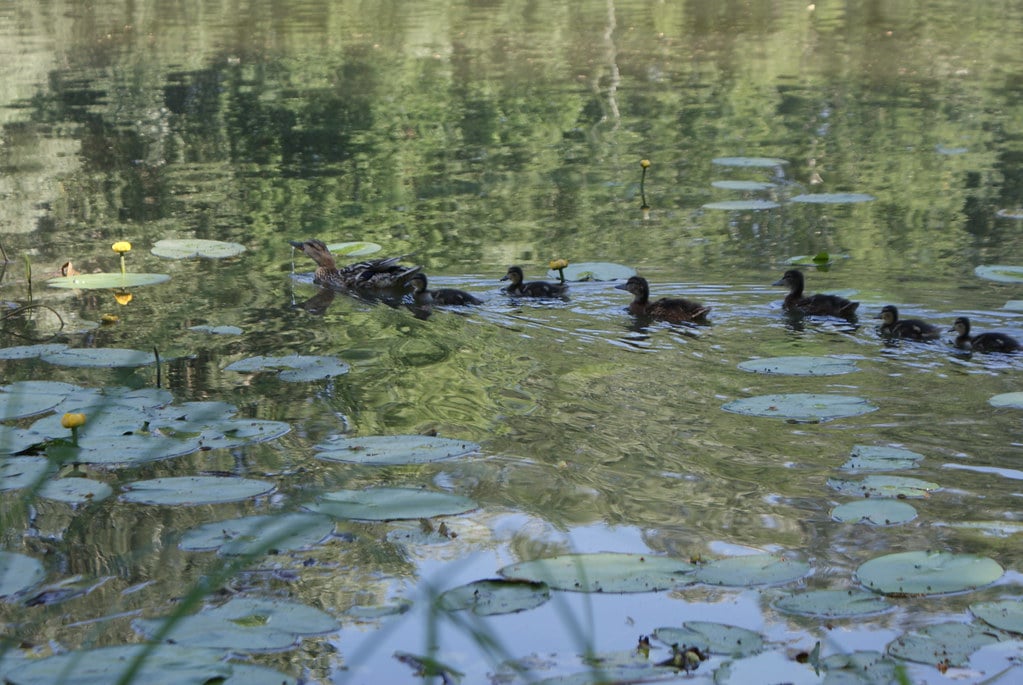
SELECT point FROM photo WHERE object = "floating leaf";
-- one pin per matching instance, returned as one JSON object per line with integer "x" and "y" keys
{"x": 820, "y": 260}
{"x": 742, "y": 205}
{"x": 883, "y": 486}
{"x": 1016, "y": 214}
{"x": 948, "y": 643}
{"x": 18, "y": 402}
{"x": 14, "y": 440}
{"x": 594, "y": 271}
{"x": 881, "y": 512}
{"x": 1000, "y": 273}
{"x": 998, "y": 529}
{"x": 768, "y": 667}
{"x": 803, "y": 407}
{"x": 193, "y": 490}
{"x": 99, "y": 357}
{"x": 18, "y": 573}
{"x": 106, "y": 281}
{"x": 216, "y": 330}
{"x": 755, "y": 162}
{"x": 860, "y": 668}
{"x": 493, "y": 597}
{"x": 75, "y": 490}
{"x": 603, "y": 572}
{"x": 296, "y": 367}
{"x": 877, "y": 458}
{"x": 753, "y": 569}
{"x": 946, "y": 150}
{"x": 748, "y": 186}
{"x": 832, "y": 198}
{"x": 834, "y": 603}
{"x": 251, "y": 535}
{"x": 1006, "y": 614}
{"x": 394, "y": 449}
{"x": 164, "y": 664}
{"x": 1007, "y": 400}
{"x": 22, "y": 472}
{"x": 185, "y": 248}
{"x": 359, "y": 248}
{"x": 716, "y": 638}
{"x": 927, "y": 573}
{"x": 800, "y": 366}
{"x": 387, "y": 504}
{"x": 30, "y": 351}
{"x": 119, "y": 450}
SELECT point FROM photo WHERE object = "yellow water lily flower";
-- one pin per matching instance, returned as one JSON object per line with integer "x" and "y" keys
{"x": 558, "y": 263}
{"x": 644, "y": 163}
{"x": 122, "y": 246}
{"x": 123, "y": 297}
{"x": 108, "y": 319}
{"x": 72, "y": 420}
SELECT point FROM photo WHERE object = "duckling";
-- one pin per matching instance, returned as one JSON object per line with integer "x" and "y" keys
{"x": 911, "y": 329}
{"x": 373, "y": 274}
{"x": 442, "y": 296}
{"x": 532, "y": 288}
{"x": 819, "y": 304}
{"x": 984, "y": 342}
{"x": 672, "y": 309}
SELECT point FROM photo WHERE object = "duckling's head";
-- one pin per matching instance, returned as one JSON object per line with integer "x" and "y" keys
{"x": 636, "y": 285}
{"x": 791, "y": 278}
{"x": 514, "y": 275}
{"x": 961, "y": 326}
{"x": 889, "y": 315}
{"x": 417, "y": 283}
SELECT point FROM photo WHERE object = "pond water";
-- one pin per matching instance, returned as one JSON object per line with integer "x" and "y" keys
{"x": 475, "y": 135}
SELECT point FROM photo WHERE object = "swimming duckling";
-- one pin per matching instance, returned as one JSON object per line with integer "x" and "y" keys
{"x": 911, "y": 329}
{"x": 442, "y": 296}
{"x": 672, "y": 309}
{"x": 816, "y": 305}
{"x": 984, "y": 342}
{"x": 373, "y": 274}
{"x": 532, "y": 288}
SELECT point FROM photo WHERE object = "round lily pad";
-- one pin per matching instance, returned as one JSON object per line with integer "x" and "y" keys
{"x": 881, "y": 512}
{"x": 119, "y": 450}
{"x": 216, "y": 330}
{"x": 832, "y": 198}
{"x": 359, "y": 248}
{"x": 18, "y": 404}
{"x": 1016, "y": 214}
{"x": 76, "y": 490}
{"x": 387, "y": 504}
{"x": 106, "y": 281}
{"x": 879, "y": 458}
{"x": 754, "y": 162}
{"x": 927, "y": 573}
{"x": 800, "y": 366}
{"x": 949, "y": 643}
{"x": 860, "y": 668}
{"x": 493, "y": 597}
{"x": 753, "y": 569}
{"x": 22, "y": 472}
{"x": 18, "y": 572}
{"x": 252, "y": 535}
{"x": 1006, "y": 614}
{"x": 14, "y": 440}
{"x": 883, "y": 486}
{"x": 394, "y": 449}
{"x": 164, "y": 664}
{"x": 834, "y": 603}
{"x": 594, "y": 271}
{"x": 1007, "y": 400}
{"x": 716, "y": 638}
{"x": 742, "y": 205}
{"x": 998, "y": 529}
{"x": 30, "y": 351}
{"x": 603, "y": 572}
{"x": 1000, "y": 272}
{"x": 193, "y": 490}
{"x": 803, "y": 407}
{"x": 821, "y": 259}
{"x": 748, "y": 186}
{"x": 100, "y": 357}
{"x": 185, "y": 248}
{"x": 296, "y": 367}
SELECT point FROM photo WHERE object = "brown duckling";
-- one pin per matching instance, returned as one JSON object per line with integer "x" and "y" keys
{"x": 441, "y": 296}
{"x": 983, "y": 342}
{"x": 372, "y": 274}
{"x": 532, "y": 288}
{"x": 911, "y": 329}
{"x": 672, "y": 309}
{"x": 815, "y": 305}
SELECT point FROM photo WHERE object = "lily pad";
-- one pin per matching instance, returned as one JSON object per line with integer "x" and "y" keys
{"x": 998, "y": 529}
{"x": 1007, "y": 400}
{"x": 768, "y": 667}
{"x": 75, "y": 490}
{"x": 927, "y": 573}
{"x": 1016, "y": 214}
{"x": 388, "y": 504}
{"x": 802, "y": 407}
{"x": 603, "y": 572}
{"x": 860, "y": 668}
{"x": 164, "y": 664}
{"x": 17, "y": 403}
{"x": 106, "y": 281}
{"x": 834, "y": 603}
{"x": 394, "y": 449}
{"x": 252, "y": 535}
{"x": 297, "y": 368}
{"x": 948, "y": 643}
{"x": 753, "y": 569}
{"x": 493, "y": 597}
{"x": 185, "y": 248}
{"x": 1006, "y": 614}
{"x": 100, "y": 357}
{"x": 1000, "y": 272}
{"x": 716, "y": 638}
{"x": 879, "y": 458}
{"x": 22, "y": 472}
{"x": 18, "y": 572}
{"x": 742, "y": 205}
{"x": 117, "y": 451}
{"x": 594, "y": 271}
{"x": 881, "y": 512}
{"x": 883, "y": 486}
{"x": 800, "y": 366}
{"x": 14, "y": 440}
{"x": 748, "y": 186}
{"x": 194, "y": 490}
{"x": 359, "y": 248}
{"x": 832, "y": 198}
{"x": 754, "y": 162}
{"x": 216, "y": 330}
{"x": 30, "y": 351}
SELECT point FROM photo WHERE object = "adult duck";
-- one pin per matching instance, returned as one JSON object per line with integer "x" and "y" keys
{"x": 814, "y": 305}
{"x": 518, "y": 288}
{"x": 911, "y": 329}
{"x": 671, "y": 309}
{"x": 421, "y": 295}
{"x": 982, "y": 342}
{"x": 373, "y": 274}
